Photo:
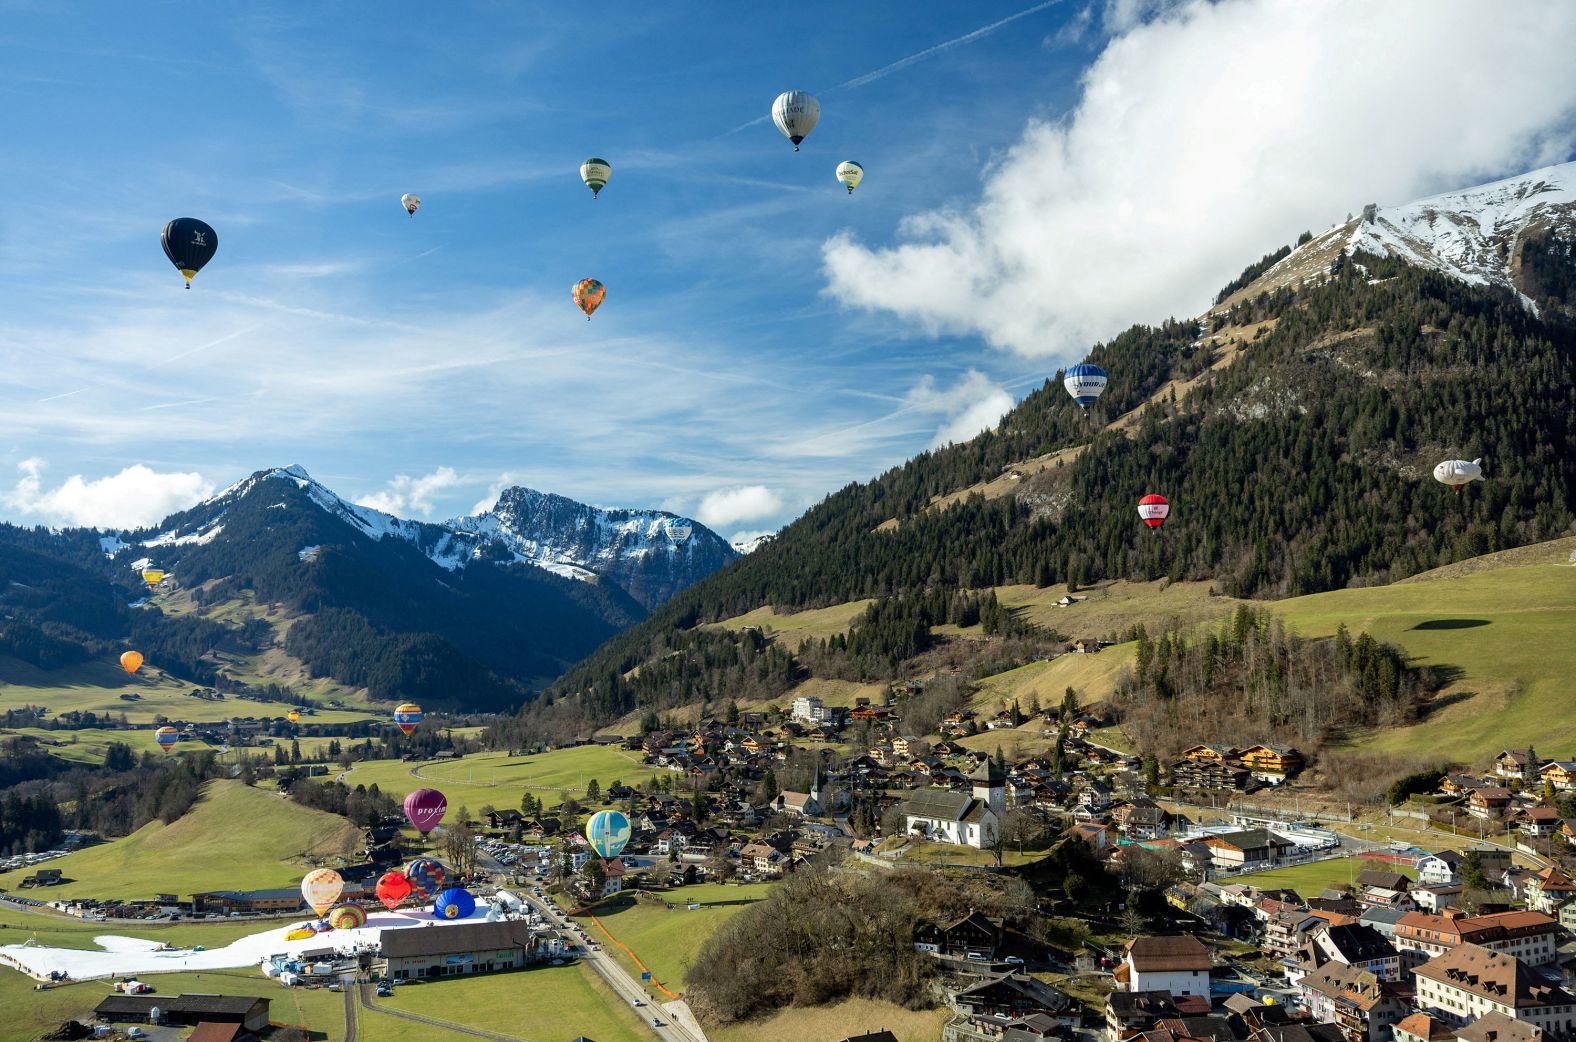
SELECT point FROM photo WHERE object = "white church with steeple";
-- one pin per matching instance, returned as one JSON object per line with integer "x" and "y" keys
{"x": 973, "y": 819}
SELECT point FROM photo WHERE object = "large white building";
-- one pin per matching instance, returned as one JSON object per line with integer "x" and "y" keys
{"x": 1179, "y": 965}
{"x": 972, "y": 819}
{"x": 808, "y": 709}
{"x": 1471, "y": 981}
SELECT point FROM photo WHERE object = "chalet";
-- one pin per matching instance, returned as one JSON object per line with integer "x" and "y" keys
{"x": 1179, "y": 965}
{"x": 1561, "y": 772}
{"x": 1084, "y": 646}
{"x": 460, "y": 949}
{"x": 1438, "y": 897}
{"x": 1210, "y": 775}
{"x": 504, "y": 819}
{"x": 1549, "y": 889}
{"x": 974, "y": 936}
{"x": 1381, "y": 878}
{"x": 249, "y": 1011}
{"x": 1357, "y": 1002}
{"x": 1129, "y": 1012}
{"x": 1488, "y": 801}
{"x": 907, "y": 746}
{"x": 1443, "y": 867}
{"x": 1286, "y": 930}
{"x": 1357, "y": 947}
{"x": 1517, "y": 763}
{"x": 1211, "y": 754}
{"x": 1243, "y": 851}
{"x": 1009, "y": 996}
{"x": 1470, "y": 981}
{"x": 1273, "y": 763}
{"x": 1460, "y": 784}
{"x": 1098, "y": 837}
{"x": 1539, "y": 821}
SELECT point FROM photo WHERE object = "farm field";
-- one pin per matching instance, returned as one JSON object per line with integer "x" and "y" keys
{"x": 667, "y": 939}
{"x": 1499, "y": 627}
{"x": 234, "y": 838}
{"x": 499, "y": 779}
{"x": 1314, "y": 878}
{"x": 551, "y": 1004}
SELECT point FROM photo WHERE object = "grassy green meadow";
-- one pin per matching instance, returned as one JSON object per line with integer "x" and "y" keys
{"x": 1314, "y": 878}
{"x": 499, "y": 779}
{"x": 549, "y": 1004}
{"x": 667, "y": 939}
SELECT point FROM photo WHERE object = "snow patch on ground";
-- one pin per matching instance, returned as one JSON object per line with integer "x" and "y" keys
{"x": 111, "y": 545}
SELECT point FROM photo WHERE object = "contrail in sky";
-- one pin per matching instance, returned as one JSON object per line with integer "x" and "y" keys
{"x": 903, "y": 63}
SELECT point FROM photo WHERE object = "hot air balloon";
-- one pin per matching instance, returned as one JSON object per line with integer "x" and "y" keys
{"x": 454, "y": 903}
{"x": 293, "y": 715}
{"x": 410, "y": 202}
{"x": 166, "y": 737}
{"x": 796, "y": 114}
{"x": 607, "y": 832}
{"x": 678, "y": 530}
{"x": 588, "y": 294}
{"x": 153, "y": 576}
{"x": 347, "y": 916}
{"x": 131, "y": 661}
{"x": 189, "y": 244}
{"x": 426, "y": 875}
{"x": 1457, "y": 472}
{"x": 393, "y": 888}
{"x": 1085, "y": 383}
{"x": 407, "y": 716}
{"x": 1154, "y": 510}
{"x": 849, "y": 174}
{"x": 425, "y": 808}
{"x": 595, "y": 172}
{"x": 321, "y": 888}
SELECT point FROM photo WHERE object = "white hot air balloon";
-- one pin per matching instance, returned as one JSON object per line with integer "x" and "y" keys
{"x": 678, "y": 531}
{"x": 595, "y": 172}
{"x": 1457, "y": 472}
{"x": 796, "y": 114}
{"x": 849, "y": 174}
{"x": 410, "y": 202}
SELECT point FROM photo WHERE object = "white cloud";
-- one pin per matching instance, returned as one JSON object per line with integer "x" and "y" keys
{"x": 972, "y": 405}
{"x": 134, "y": 498}
{"x": 1208, "y": 134}
{"x": 730, "y": 506}
{"x": 407, "y": 493}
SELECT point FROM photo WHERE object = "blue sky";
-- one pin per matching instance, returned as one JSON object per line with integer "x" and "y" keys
{"x": 766, "y": 338}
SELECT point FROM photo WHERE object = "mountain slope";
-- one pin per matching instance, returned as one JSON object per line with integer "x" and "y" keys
{"x": 1302, "y": 465}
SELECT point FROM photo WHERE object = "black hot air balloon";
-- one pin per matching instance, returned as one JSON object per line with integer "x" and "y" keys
{"x": 189, "y": 244}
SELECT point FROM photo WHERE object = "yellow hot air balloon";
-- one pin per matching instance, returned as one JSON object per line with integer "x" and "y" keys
{"x": 321, "y": 888}
{"x": 153, "y": 576}
{"x": 131, "y": 661}
{"x": 293, "y": 715}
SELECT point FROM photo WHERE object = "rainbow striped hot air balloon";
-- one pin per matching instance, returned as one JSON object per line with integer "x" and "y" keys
{"x": 347, "y": 916}
{"x": 166, "y": 737}
{"x": 407, "y": 716}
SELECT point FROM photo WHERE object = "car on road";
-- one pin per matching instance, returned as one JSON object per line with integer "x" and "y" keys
{"x": 1013, "y": 960}
{"x": 384, "y": 991}
{"x": 656, "y": 1023}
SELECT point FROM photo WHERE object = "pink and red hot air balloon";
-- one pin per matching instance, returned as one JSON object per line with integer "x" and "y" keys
{"x": 1154, "y": 510}
{"x": 392, "y": 889}
{"x": 425, "y": 808}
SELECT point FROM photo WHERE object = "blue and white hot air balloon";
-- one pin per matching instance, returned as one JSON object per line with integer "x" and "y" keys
{"x": 1085, "y": 383}
{"x": 607, "y": 833}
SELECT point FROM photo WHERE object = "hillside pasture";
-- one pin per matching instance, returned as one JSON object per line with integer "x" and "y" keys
{"x": 235, "y": 838}
{"x": 663, "y": 932}
{"x": 789, "y": 629}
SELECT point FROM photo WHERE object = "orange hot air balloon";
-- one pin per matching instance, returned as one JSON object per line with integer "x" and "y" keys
{"x": 588, "y": 294}
{"x": 293, "y": 715}
{"x": 131, "y": 661}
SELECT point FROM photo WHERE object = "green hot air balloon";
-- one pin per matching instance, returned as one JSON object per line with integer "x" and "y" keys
{"x": 595, "y": 172}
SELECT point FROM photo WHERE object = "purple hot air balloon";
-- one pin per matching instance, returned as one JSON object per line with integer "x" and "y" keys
{"x": 425, "y": 808}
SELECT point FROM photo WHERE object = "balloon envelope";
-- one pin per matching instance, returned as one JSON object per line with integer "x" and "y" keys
{"x": 426, "y": 875}
{"x": 347, "y": 916}
{"x": 849, "y": 174}
{"x": 189, "y": 244}
{"x": 166, "y": 737}
{"x": 588, "y": 294}
{"x": 1457, "y": 472}
{"x": 131, "y": 661}
{"x": 425, "y": 808}
{"x": 392, "y": 888}
{"x": 796, "y": 113}
{"x": 293, "y": 716}
{"x": 454, "y": 903}
{"x": 607, "y": 833}
{"x": 1085, "y": 383}
{"x": 407, "y": 716}
{"x": 410, "y": 202}
{"x": 595, "y": 172}
{"x": 321, "y": 888}
{"x": 1154, "y": 510}
{"x": 153, "y": 576}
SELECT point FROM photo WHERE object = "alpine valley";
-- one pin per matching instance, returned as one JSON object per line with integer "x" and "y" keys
{"x": 278, "y": 579}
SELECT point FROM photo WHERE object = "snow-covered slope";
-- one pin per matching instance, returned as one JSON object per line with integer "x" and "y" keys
{"x": 1477, "y": 235}
{"x": 650, "y": 554}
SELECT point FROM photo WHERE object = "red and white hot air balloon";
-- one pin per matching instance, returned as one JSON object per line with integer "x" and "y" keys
{"x": 1154, "y": 510}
